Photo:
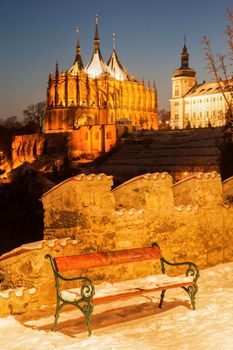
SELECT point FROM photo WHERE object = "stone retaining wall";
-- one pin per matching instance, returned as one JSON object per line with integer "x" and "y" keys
{"x": 190, "y": 222}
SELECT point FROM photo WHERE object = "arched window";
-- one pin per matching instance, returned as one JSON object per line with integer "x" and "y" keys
{"x": 109, "y": 135}
{"x": 49, "y": 121}
{"x": 177, "y": 92}
{"x": 71, "y": 91}
{"x": 96, "y": 119}
{"x": 54, "y": 120}
{"x": 60, "y": 120}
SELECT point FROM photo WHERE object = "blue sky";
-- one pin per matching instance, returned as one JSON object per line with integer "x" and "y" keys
{"x": 149, "y": 38}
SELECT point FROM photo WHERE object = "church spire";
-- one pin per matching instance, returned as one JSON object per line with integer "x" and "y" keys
{"x": 78, "y": 62}
{"x": 117, "y": 70}
{"x": 96, "y": 38}
{"x": 78, "y": 50}
{"x": 78, "y": 58}
{"x": 184, "y": 56}
{"x": 113, "y": 41}
{"x": 97, "y": 65}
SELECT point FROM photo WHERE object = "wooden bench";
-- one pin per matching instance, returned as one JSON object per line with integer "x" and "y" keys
{"x": 86, "y": 299}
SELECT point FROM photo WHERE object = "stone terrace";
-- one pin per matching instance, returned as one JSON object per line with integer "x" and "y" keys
{"x": 175, "y": 152}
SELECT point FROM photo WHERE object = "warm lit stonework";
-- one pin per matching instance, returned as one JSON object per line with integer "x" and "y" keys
{"x": 191, "y": 220}
{"x": 195, "y": 105}
{"x": 100, "y": 94}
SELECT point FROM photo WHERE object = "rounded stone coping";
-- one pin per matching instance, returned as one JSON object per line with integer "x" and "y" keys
{"x": 147, "y": 176}
{"x": 80, "y": 177}
{"x": 187, "y": 207}
{"x": 38, "y": 246}
{"x": 199, "y": 176}
{"x": 129, "y": 212}
{"x": 227, "y": 180}
{"x": 18, "y": 292}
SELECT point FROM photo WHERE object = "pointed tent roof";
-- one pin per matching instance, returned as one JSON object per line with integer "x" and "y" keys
{"x": 117, "y": 70}
{"x": 78, "y": 63}
{"x": 97, "y": 66}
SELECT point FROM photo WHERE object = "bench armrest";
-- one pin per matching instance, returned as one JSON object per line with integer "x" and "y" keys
{"x": 191, "y": 271}
{"x": 87, "y": 289}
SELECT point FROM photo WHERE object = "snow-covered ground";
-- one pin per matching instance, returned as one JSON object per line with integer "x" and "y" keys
{"x": 137, "y": 323}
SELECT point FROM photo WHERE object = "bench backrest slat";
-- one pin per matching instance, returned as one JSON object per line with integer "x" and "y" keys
{"x": 85, "y": 261}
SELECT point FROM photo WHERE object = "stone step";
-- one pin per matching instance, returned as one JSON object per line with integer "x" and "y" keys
{"x": 182, "y": 160}
{"x": 169, "y": 153}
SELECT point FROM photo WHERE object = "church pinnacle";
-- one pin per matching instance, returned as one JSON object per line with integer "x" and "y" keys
{"x": 78, "y": 50}
{"x": 113, "y": 41}
{"x": 78, "y": 58}
{"x": 96, "y": 37}
{"x": 78, "y": 62}
{"x": 97, "y": 65}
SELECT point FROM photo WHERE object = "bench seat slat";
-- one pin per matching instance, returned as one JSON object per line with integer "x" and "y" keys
{"x": 139, "y": 291}
{"x": 85, "y": 261}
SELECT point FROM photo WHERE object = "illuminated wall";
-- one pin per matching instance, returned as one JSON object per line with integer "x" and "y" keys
{"x": 82, "y": 100}
{"x": 199, "y": 108}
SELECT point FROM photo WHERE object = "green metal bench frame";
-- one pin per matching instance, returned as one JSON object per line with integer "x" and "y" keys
{"x": 85, "y": 302}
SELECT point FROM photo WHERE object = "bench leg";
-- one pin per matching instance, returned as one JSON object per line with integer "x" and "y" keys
{"x": 161, "y": 298}
{"x": 56, "y": 315}
{"x": 87, "y": 310}
{"x": 192, "y": 291}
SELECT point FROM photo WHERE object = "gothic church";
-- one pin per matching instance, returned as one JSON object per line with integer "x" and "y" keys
{"x": 98, "y": 96}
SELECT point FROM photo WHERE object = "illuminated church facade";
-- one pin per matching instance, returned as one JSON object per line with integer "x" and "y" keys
{"x": 195, "y": 105}
{"x": 96, "y": 98}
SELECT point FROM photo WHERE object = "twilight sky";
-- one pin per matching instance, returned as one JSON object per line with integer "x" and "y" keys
{"x": 149, "y": 38}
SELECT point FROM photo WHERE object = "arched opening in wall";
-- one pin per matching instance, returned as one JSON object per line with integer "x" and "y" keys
{"x": 86, "y": 135}
{"x": 114, "y": 100}
{"x": 84, "y": 120}
{"x": 97, "y": 136}
{"x": 71, "y": 92}
{"x": 49, "y": 121}
{"x": 96, "y": 119}
{"x": 54, "y": 122}
{"x": 60, "y": 120}
{"x": 109, "y": 135}
{"x": 90, "y": 120}
{"x": 177, "y": 90}
{"x": 61, "y": 95}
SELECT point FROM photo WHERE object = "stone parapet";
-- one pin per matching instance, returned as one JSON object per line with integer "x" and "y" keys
{"x": 203, "y": 189}
{"x": 81, "y": 217}
{"x": 146, "y": 191}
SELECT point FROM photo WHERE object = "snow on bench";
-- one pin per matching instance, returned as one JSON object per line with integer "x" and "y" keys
{"x": 89, "y": 294}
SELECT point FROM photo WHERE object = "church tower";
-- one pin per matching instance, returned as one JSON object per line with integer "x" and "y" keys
{"x": 183, "y": 80}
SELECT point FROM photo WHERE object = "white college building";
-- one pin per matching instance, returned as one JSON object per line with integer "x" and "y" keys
{"x": 195, "y": 105}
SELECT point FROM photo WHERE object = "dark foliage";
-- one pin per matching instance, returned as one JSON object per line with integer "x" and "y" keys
{"x": 21, "y": 212}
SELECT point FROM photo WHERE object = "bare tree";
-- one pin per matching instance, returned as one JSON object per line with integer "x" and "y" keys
{"x": 220, "y": 65}
{"x": 11, "y": 123}
{"x": 34, "y": 116}
{"x": 164, "y": 118}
